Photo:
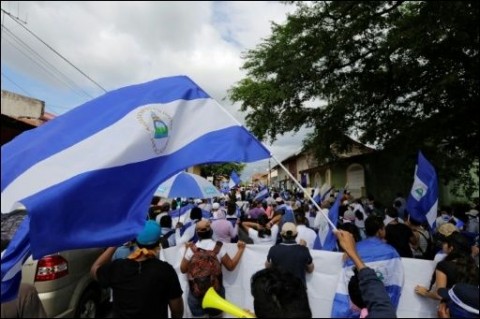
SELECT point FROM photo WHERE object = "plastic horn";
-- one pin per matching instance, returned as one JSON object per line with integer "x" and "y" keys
{"x": 213, "y": 300}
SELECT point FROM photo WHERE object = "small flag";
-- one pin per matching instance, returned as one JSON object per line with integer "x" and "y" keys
{"x": 328, "y": 240}
{"x": 422, "y": 202}
{"x": 234, "y": 180}
{"x": 262, "y": 194}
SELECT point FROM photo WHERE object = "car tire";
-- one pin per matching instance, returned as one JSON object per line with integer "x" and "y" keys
{"x": 88, "y": 305}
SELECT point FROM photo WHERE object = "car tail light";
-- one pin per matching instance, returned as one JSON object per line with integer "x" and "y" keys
{"x": 51, "y": 267}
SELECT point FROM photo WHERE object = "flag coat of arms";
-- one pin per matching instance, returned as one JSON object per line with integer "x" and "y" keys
{"x": 87, "y": 177}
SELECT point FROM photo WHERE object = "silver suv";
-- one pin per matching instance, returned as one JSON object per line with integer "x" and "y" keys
{"x": 62, "y": 280}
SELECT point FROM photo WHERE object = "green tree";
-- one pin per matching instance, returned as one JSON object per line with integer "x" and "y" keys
{"x": 401, "y": 76}
{"x": 223, "y": 169}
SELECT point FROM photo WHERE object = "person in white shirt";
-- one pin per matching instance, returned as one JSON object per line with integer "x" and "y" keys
{"x": 303, "y": 232}
{"x": 262, "y": 233}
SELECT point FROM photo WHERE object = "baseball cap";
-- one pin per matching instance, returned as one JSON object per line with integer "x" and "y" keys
{"x": 150, "y": 234}
{"x": 289, "y": 229}
{"x": 472, "y": 212}
{"x": 447, "y": 229}
{"x": 462, "y": 299}
{"x": 215, "y": 206}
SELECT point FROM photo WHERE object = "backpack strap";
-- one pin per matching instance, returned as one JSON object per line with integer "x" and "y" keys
{"x": 168, "y": 234}
{"x": 194, "y": 248}
{"x": 426, "y": 238}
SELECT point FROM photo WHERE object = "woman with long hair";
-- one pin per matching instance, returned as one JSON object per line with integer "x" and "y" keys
{"x": 457, "y": 267}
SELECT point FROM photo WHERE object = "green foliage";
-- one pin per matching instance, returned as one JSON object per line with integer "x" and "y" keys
{"x": 221, "y": 169}
{"x": 401, "y": 76}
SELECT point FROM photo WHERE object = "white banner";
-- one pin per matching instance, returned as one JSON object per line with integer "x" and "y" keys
{"x": 321, "y": 284}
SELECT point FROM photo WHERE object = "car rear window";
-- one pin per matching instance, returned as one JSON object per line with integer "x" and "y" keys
{"x": 10, "y": 223}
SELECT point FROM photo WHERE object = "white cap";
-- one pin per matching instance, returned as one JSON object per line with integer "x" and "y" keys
{"x": 215, "y": 206}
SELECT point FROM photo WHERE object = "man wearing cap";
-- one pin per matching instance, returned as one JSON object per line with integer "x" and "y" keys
{"x": 215, "y": 209}
{"x": 289, "y": 255}
{"x": 460, "y": 301}
{"x": 143, "y": 286}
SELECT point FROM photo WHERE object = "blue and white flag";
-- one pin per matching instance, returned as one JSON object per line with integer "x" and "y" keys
{"x": 234, "y": 180}
{"x": 386, "y": 263}
{"x": 262, "y": 194}
{"x": 321, "y": 193}
{"x": 422, "y": 202}
{"x": 184, "y": 212}
{"x": 12, "y": 262}
{"x": 225, "y": 188}
{"x": 87, "y": 177}
{"x": 325, "y": 191}
{"x": 316, "y": 195}
{"x": 328, "y": 241}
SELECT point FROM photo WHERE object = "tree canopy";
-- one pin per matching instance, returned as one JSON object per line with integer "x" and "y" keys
{"x": 400, "y": 76}
{"x": 223, "y": 169}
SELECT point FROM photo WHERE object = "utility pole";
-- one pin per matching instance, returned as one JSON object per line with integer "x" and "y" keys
{"x": 269, "y": 179}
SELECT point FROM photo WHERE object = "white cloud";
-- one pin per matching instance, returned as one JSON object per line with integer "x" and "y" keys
{"x": 121, "y": 43}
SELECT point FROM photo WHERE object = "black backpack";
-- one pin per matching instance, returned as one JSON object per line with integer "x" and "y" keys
{"x": 164, "y": 239}
{"x": 429, "y": 252}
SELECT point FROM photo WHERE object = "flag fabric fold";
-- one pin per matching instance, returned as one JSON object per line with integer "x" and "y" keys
{"x": 386, "y": 263}
{"x": 12, "y": 260}
{"x": 87, "y": 177}
{"x": 321, "y": 193}
{"x": 316, "y": 195}
{"x": 422, "y": 201}
{"x": 234, "y": 180}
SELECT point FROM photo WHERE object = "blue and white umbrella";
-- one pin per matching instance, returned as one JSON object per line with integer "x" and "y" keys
{"x": 186, "y": 184}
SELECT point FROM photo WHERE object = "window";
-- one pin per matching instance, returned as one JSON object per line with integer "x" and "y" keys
{"x": 356, "y": 180}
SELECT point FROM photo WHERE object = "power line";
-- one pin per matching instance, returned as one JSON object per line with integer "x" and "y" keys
{"x": 38, "y": 58}
{"x": 55, "y": 51}
{"x": 17, "y": 85}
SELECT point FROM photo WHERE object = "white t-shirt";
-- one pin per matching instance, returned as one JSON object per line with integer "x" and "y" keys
{"x": 306, "y": 234}
{"x": 267, "y": 240}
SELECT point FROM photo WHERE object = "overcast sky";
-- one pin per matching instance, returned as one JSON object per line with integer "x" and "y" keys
{"x": 122, "y": 43}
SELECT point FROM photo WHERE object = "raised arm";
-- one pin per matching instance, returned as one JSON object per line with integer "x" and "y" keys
{"x": 231, "y": 263}
{"x": 104, "y": 258}
{"x": 248, "y": 225}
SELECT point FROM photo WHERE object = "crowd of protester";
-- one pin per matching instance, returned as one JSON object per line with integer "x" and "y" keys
{"x": 289, "y": 223}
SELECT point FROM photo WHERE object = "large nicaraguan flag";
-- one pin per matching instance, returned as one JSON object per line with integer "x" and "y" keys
{"x": 87, "y": 177}
{"x": 386, "y": 263}
{"x": 422, "y": 202}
